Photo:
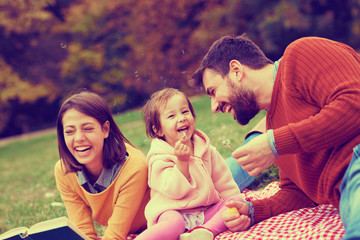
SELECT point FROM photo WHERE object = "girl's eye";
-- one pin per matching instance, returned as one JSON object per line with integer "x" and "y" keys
{"x": 88, "y": 129}
{"x": 185, "y": 111}
{"x": 171, "y": 116}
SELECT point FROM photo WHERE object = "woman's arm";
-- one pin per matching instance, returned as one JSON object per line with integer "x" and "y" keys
{"x": 131, "y": 199}
{"x": 76, "y": 208}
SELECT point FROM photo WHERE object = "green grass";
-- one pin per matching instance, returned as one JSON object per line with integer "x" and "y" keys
{"x": 28, "y": 191}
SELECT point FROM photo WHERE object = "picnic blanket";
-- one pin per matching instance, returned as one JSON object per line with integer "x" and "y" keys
{"x": 321, "y": 222}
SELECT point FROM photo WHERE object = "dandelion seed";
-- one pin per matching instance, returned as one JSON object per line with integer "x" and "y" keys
{"x": 63, "y": 45}
{"x": 183, "y": 136}
{"x": 226, "y": 142}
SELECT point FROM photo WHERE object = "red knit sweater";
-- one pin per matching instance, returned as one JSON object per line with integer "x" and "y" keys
{"x": 315, "y": 114}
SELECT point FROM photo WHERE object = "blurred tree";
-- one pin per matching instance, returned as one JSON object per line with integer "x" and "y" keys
{"x": 27, "y": 61}
{"x": 122, "y": 47}
{"x": 125, "y": 50}
{"x": 280, "y": 22}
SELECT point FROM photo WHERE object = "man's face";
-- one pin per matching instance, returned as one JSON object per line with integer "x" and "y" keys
{"x": 228, "y": 96}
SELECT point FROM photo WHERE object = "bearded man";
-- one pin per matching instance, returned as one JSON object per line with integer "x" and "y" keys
{"x": 312, "y": 99}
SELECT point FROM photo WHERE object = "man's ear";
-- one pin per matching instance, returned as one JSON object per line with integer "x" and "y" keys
{"x": 236, "y": 70}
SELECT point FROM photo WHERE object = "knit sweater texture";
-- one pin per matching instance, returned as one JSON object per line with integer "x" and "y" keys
{"x": 315, "y": 114}
{"x": 120, "y": 207}
{"x": 210, "y": 179}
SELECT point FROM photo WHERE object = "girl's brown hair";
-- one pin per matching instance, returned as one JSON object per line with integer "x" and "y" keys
{"x": 93, "y": 105}
{"x": 151, "y": 109}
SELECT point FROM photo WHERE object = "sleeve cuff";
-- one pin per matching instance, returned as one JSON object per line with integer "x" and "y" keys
{"x": 270, "y": 134}
{"x": 251, "y": 212}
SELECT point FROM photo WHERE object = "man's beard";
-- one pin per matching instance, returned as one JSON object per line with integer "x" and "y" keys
{"x": 244, "y": 103}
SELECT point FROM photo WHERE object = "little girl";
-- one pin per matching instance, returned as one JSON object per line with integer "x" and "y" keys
{"x": 189, "y": 180}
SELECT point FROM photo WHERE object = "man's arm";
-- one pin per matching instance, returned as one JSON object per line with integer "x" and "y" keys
{"x": 288, "y": 198}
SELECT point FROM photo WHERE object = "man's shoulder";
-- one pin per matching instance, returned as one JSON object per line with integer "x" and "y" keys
{"x": 311, "y": 42}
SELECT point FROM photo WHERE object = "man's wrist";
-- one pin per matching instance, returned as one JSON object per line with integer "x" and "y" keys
{"x": 251, "y": 212}
{"x": 271, "y": 138}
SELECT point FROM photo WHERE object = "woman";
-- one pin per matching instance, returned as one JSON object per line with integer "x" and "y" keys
{"x": 100, "y": 175}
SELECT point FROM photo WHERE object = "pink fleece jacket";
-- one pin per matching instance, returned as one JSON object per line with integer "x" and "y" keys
{"x": 211, "y": 179}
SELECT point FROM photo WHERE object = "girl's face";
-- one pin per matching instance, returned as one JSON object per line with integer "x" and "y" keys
{"x": 176, "y": 120}
{"x": 84, "y": 137}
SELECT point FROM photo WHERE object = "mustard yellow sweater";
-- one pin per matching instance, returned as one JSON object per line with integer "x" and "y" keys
{"x": 120, "y": 207}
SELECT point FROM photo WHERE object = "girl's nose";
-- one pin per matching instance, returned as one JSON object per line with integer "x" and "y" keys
{"x": 182, "y": 118}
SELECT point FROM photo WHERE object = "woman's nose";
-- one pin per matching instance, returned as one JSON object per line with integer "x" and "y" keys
{"x": 79, "y": 136}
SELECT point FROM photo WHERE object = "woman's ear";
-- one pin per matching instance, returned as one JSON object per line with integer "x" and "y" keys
{"x": 106, "y": 129}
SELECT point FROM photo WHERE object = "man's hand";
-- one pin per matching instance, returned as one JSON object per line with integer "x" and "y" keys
{"x": 255, "y": 156}
{"x": 237, "y": 221}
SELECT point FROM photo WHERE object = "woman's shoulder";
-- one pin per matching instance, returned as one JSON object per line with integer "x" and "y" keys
{"x": 59, "y": 168}
{"x": 132, "y": 150}
{"x": 136, "y": 156}
{"x": 61, "y": 175}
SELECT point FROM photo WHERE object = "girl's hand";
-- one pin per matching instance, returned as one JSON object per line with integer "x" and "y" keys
{"x": 182, "y": 151}
{"x": 237, "y": 220}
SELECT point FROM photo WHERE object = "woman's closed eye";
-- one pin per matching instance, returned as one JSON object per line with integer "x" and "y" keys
{"x": 69, "y": 132}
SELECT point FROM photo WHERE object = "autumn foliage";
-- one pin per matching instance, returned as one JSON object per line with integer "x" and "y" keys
{"x": 125, "y": 50}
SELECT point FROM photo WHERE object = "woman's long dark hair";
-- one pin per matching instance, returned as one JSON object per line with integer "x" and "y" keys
{"x": 93, "y": 105}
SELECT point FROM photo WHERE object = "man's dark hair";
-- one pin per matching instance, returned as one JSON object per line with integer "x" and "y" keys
{"x": 228, "y": 48}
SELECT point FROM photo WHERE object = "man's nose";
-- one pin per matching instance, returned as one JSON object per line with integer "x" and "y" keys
{"x": 214, "y": 106}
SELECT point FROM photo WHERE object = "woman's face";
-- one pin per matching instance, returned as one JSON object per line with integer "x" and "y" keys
{"x": 84, "y": 137}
